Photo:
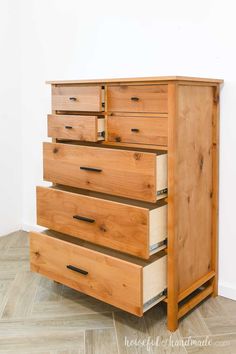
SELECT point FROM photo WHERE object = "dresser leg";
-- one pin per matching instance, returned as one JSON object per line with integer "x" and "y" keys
{"x": 172, "y": 316}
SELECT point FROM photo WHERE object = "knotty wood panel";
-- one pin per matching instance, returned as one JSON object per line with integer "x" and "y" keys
{"x": 84, "y": 128}
{"x": 77, "y": 98}
{"x": 143, "y": 130}
{"x": 120, "y": 172}
{"x": 110, "y": 279}
{"x": 150, "y": 98}
{"x": 193, "y": 179}
{"x": 124, "y": 227}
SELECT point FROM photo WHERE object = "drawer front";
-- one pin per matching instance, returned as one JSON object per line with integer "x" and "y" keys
{"x": 125, "y": 173}
{"x": 108, "y": 279}
{"x": 123, "y": 227}
{"x": 83, "y": 128}
{"x": 130, "y": 285}
{"x": 77, "y": 98}
{"x": 139, "y": 130}
{"x": 150, "y": 98}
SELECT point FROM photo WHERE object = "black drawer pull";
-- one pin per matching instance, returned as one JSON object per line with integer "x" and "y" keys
{"x": 134, "y": 99}
{"x": 83, "y": 218}
{"x": 90, "y": 169}
{"x": 135, "y": 130}
{"x": 68, "y": 127}
{"x": 78, "y": 270}
{"x": 72, "y": 98}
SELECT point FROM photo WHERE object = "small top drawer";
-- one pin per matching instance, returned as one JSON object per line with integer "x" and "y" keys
{"x": 77, "y": 98}
{"x": 128, "y": 98}
{"x": 76, "y": 127}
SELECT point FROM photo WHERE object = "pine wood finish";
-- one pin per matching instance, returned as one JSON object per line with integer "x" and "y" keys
{"x": 110, "y": 222}
{"x": 172, "y": 153}
{"x": 140, "y": 130}
{"x": 118, "y": 280}
{"x": 83, "y": 128}
{"x": 77, "y": 98}
{"x": 124, "y": 98}
{"x": 125, "y": 173}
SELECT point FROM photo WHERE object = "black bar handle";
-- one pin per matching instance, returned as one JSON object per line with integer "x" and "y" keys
{"x": 72, "y": 98}
{"x": 134, "y": 99}
{"x": 90, "y": 169}
{"x": 78, "y": 270}
{"x": 135, "y": 130}
{"x": 83, "y": 218}
{"x": 68, "y": 127}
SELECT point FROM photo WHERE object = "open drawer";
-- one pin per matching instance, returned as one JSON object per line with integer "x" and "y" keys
{"x": 120, "y": 280}
{"x": 133, "y": 227}
{"x": 76, "y": 127}
{"x": 126, "y": 173}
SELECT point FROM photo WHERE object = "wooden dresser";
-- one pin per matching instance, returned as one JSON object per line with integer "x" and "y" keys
{"x": 132, "y": 212}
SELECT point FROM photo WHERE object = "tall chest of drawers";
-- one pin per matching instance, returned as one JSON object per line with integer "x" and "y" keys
{"x": 132, "y": 212}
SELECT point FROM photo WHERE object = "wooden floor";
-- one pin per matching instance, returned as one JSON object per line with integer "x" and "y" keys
{"x": 39, "y": 316}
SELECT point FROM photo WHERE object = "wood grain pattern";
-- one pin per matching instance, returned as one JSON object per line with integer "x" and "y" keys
{"x": 172, "y": 275}
{"x": 138, "y": 130}
{"x": 111, "y": 279}
{"x": 125, "y": 227}
{"x": 77, "y": 98}
{"x": 84, "y": 128}
{"x": 126, "y": 173}
{"x": 108, "y": 279}
{"x": 137, "y": 98}
{"x": 193, "y": 179}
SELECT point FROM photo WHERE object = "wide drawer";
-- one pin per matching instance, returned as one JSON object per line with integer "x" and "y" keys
{"x": 135, "y": 98}
{"x": 74, "y": 127}
{"x": 139, "y": 130}
{"x": 126, "y": 282}
{"x": 132, "y": 174}
{"x": 77, "y": 98}
{"x": 135, "y": 228}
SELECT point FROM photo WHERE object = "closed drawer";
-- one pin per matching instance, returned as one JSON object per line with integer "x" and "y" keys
{"x": 131, "y": 174}
{"x": 126, "y": 282}
{"x": 139, "y": 130}
{"x": 138, "y": 229}
{"x": 77, "y": 98}
{"x": 84, "y": 128}
{"x": 125, "y": 98}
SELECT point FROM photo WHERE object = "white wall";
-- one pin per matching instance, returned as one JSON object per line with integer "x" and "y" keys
{"x": 70, "y": 39}
{"x": 10, "y": 119}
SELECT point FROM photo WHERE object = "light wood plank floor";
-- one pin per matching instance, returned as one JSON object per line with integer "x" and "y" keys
{"x": 39, "y": 316}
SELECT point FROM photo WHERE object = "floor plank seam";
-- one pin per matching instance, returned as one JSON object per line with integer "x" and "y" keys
{"x": 114, "y": 322}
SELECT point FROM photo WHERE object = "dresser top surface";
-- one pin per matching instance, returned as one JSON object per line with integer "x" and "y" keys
{"x": 136, "y": 79}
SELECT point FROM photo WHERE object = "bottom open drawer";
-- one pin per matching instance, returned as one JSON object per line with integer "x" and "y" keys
{"x": 126, "y": 282}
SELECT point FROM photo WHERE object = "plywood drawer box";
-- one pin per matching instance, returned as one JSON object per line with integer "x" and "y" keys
{"x": 75, "y": 127}
{"x": 140, "y": 130}
{"x": 135, "y": 228}
{"x": 137, "y": 98}
{"x": 131, "y": 174}
{"x": 126, "y": 282}
{"x": 77, "y": 98}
